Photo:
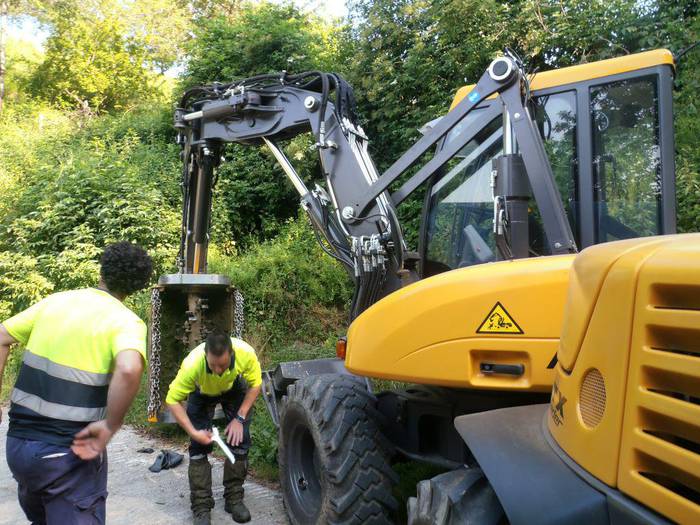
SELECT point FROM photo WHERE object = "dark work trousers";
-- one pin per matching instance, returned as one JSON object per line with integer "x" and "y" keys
{"x": 200, "y": 410}
{"x": 56, "y": 487}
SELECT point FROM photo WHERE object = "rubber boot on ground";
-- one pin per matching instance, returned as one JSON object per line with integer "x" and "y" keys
{"x": 234, "y": 476}
{"x": 201, "y": 498}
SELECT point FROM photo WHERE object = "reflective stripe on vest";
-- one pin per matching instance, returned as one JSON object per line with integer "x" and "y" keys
{"x": 56, "y": 410}
{"x": 60, "y": 392}
{"x": 65, "y": 372}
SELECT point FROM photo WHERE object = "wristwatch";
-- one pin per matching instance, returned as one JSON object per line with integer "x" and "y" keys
{"x": 240, "y": 418}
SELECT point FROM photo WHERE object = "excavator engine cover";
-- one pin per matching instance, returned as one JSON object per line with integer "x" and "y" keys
{"x": 490, "y": 326}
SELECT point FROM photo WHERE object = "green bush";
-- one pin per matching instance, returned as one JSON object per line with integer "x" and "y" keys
{"x": 295, "y": 295}
{"x": 21, "y": 285}
{"x": 263, "y": 38}
{"x": 85, "y": 183}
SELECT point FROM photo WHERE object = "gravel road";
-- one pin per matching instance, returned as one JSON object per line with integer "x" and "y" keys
{"x": 137, "y": 495}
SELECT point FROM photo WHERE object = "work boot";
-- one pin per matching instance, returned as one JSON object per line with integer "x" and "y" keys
{"x": 201, "y": 498}
{"x": 203, "y": 518}
{"x": 234, "y": 476}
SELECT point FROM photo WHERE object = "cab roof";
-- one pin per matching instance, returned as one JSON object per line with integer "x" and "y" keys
{"x": 602, "y": 68}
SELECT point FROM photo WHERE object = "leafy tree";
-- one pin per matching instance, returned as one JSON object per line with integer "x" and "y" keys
{"x": 160, "y": 27}
{"x": 4, "y": 11}
{"x": 104, "y": 54}
{"x": 252, "y": 191}
{"x": 262, "y": 38}
{"x": 687, "y": 126}
{"x": 204, "y": 9}
{"x": 11, "y": 9}
{"x": 410, "y": 56}
{"x": 23, "y": 58}
{"x": 91, "y": 61}
{"x": 82, "y": 187}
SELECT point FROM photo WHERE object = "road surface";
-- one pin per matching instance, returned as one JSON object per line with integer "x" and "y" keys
{"x": 138, "y": 496}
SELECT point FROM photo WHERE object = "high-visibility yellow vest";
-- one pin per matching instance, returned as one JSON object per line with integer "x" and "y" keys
{"x": 71, "y": 340}
{"x": 196, "y": 374}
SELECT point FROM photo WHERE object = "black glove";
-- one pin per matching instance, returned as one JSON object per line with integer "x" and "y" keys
{"x": 165, "y": 460}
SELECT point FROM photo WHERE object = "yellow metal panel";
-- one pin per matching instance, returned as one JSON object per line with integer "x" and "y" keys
{"x": 670, "y": 408}
{"x": 581, "y": 72}
{"x": 587, "y": 276}
{"x": 429, "y": 332}
{"x": 684, "y": 365}
{"x": 683, "y": 319}
{"x": 685, "y": 464}
{"x": 659, "y": 461}
{"x": 605, "y": 342}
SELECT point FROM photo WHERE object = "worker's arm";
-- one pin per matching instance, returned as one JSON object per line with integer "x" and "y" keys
{"x": 234, "y": 430}
{"x": 253, "y": 375}
{"x": 248, "y": 401}
{"x": 181, "y": 387}
{"x": 180, "y": 414}
{"x": 6, "y": 341}
{"x": 92, "y": 440}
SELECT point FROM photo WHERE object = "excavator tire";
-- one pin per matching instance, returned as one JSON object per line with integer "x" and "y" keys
{"x": 333, "y": 458}
{"x": 458, "y": 497}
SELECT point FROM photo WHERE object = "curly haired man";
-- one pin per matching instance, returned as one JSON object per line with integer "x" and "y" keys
{"x": 84, "y": 355}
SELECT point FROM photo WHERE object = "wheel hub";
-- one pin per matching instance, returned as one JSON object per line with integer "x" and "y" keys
{"x": 304, "y": 474}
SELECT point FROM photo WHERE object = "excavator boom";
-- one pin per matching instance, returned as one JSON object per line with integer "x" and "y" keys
{"x": 354, "y": 213}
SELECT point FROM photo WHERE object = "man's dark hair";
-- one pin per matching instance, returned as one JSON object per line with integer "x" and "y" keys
{"x": 125, "y": 268}
{"x": 218, "y": 343}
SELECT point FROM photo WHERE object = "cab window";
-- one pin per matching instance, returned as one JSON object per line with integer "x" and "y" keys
{"x": 626, "y": 159}
{"x": 459, "y": 230}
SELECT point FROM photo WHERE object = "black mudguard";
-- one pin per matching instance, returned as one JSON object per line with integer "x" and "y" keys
{"x": 275, "y": 382}
{"x": 532, "y": 483}
{"x": 287, "y": 373}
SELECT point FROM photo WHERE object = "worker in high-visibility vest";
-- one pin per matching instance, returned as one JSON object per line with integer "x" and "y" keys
{"x": 222, "y": 370}
{"x": 84, "y": 355}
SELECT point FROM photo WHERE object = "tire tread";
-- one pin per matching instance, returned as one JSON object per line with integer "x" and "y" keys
{"x": 355, "y": 454}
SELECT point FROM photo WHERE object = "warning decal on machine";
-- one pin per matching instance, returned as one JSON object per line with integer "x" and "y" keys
{"x": 499, "y": 321}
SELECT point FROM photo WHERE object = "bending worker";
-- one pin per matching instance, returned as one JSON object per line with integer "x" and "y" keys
{"x": 221, "y": 370}
{"x": 82, "y": 364}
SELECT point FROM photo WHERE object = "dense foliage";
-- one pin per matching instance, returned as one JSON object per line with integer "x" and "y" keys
{"x": 410, "y": 55}
{"x": 105, "y": 54}
{"x": 83, "y": 184}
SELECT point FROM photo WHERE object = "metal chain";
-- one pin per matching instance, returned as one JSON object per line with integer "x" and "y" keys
{"x": 238, "y": 314}
{"x": 154, "y": 398}
{"x": 154, "y": 356}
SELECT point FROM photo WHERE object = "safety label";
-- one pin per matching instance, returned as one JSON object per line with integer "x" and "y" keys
{"x": 499, "y": 321}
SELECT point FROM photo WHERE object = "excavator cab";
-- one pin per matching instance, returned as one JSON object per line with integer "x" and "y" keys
{"x": 608, "y": 133}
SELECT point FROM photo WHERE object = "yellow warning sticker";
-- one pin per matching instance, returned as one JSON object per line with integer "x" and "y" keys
{"x": 499, "y": 321}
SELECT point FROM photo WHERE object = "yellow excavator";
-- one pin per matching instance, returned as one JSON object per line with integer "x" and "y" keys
{"x": 551, "y": 386}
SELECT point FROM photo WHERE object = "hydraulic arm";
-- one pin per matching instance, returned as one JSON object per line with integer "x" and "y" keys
{"x": 353, "y": 214}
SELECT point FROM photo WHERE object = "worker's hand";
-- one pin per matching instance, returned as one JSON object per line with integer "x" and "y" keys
{"x": 91, "y": 441}
{"x": 234, "y": 433}
{"x": 203, "y": 437}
